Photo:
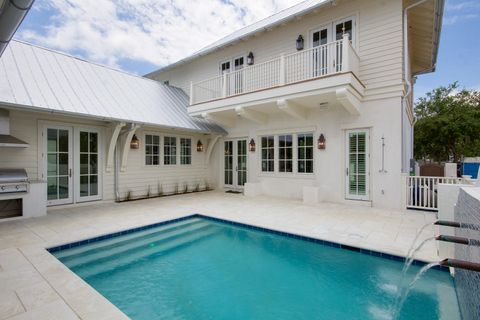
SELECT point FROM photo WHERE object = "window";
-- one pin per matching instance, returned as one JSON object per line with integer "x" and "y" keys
{"x": 268, "y": 154}
{"x": 285, "y": 153}
{"x": 170, "y": 151}
{"x": 225, "y": 67}
{"x": 152, "y": 150}
{"x": 305, "y": 153}
{"x": 185, "y": 151}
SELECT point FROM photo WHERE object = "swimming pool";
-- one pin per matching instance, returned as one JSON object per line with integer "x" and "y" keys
{"x": 203, "y": 268}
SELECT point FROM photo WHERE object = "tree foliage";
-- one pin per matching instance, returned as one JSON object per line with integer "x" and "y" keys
{"x": 448, "y": 124}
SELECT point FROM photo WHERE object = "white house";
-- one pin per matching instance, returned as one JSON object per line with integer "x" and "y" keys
{"x": 322, "y": 91}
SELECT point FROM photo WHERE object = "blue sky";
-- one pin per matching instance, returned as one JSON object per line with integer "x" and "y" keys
{"x": 140, "y": 36}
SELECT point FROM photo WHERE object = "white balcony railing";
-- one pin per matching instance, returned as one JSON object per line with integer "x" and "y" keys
{"x": 334, "y": 57}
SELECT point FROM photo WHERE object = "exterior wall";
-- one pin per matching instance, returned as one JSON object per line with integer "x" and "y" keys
{"x": 379, "y": 45}
{"x": 382, "y": 117}
{"x": 28, "y": 125}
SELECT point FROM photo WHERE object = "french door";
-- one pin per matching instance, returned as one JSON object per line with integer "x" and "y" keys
{"x": 357, "y": 164}
{"x": 235, "y": 163}
{"x": 72, "y": 165}
{"x": 58, "y": 164}
{"x": 320, "y": 56}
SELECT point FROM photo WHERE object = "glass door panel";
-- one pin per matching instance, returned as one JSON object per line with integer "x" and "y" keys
{"x": 58, "y": 165}
{"x": 320, "y": 56}
{"x": 357, "y": 170}
{"x": 228, "y": 163}
{"x": 88, "y": 166}
{"x": 241, "y": 162}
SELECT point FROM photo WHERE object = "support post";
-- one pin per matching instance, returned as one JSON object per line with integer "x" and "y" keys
{"x": 345, "y": 53}
{"x": 224, "y": 89}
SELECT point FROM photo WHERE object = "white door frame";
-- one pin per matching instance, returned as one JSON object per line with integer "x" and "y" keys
{"x": 76, "y": 170}
{"x": 70, "y": 162}
{"x": 349, "y": 196}
{"x": 234, "y": 184}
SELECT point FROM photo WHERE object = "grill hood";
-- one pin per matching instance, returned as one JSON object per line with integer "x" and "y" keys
{"x": 7, "y": 140}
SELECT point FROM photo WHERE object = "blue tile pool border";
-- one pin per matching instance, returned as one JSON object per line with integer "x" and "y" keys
{"x": 247, "y": 226}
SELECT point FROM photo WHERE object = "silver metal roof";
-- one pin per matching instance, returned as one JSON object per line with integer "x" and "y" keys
{"x": 41, "y": 79}
{"x": 248, "y": 31}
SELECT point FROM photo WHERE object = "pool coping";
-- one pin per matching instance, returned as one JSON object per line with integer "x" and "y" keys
{"x": 370, "y": 252}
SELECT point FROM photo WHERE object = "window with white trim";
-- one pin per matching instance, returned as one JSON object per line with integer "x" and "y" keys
{"x": 170, "y": 151}
{"x": 152, "y": 150}
{"x": 305, "y": 153}
{"x": 268, "y": 154}
{"x": 285, "y": 153}
{"x": 185, "y": 151}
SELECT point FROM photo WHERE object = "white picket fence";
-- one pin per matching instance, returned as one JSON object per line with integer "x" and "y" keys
{"x": 421, "y": 192}
{"x": 334, "y": 57}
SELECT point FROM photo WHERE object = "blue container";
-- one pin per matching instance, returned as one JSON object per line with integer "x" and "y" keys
{"x": 470, "y": 169}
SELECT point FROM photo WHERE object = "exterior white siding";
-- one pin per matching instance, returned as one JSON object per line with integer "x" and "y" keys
{"x": 379, "y": 45}
{"x": 137, "y": 178}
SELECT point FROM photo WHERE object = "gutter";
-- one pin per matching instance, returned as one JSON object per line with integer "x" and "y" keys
{"x": 12, "y": 13}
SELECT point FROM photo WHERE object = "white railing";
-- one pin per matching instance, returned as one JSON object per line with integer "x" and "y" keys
{"x": 422, "y": 191}
{"x": 334, "y": 57}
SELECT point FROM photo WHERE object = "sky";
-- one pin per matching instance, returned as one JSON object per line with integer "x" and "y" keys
{"x": 140, "y": 36}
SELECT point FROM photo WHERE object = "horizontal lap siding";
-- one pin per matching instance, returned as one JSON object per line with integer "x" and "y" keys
{"x": 380, "y": 46}
{"x": 25, "y": 125}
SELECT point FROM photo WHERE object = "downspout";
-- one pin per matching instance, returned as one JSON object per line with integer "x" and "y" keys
{"x": 405, "y": 64}
{"x": 12, "y": 13}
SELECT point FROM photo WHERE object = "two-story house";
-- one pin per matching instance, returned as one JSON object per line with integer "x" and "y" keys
{"x": 312, "y": 103}
{"x": 322, "y": 91}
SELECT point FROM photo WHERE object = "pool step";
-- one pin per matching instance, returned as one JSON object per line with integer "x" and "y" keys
{"x": 111, "y": 243}
{"x": 105, "y": 254}
{"x": 115, "y": 264}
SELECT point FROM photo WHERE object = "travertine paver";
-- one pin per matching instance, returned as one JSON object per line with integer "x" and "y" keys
{"x": 34, "y": 285}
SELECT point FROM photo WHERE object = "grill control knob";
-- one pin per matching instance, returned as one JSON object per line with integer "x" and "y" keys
{"x": 17, "y": 187}
{"x": 2, "y": 188}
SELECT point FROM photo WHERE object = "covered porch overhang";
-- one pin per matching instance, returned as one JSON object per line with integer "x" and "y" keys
{"x": 296, "y": 101}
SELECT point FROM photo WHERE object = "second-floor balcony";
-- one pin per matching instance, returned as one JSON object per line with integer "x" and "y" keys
{"x": 334, "y": 58}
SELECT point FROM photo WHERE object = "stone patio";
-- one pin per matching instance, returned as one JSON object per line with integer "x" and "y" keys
{"x": 34, "y": 285}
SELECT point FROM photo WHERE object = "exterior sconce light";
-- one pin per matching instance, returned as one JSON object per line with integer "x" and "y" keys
{"x": 300, "y": 43}
{"x": 135, "y": 143}
{"x": 251, "y": 146}
{"x": 250, "y": 58}
{"x": 199, "y": 146}
{"x": 321, "y": 142}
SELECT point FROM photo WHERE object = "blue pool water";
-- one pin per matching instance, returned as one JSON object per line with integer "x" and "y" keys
{"x": 204, "y": 269}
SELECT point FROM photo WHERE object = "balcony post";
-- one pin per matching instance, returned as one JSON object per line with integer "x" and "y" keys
{"x": 224, "y": 89}
{"x": 282, "y": 70}
{"x": 191, "y": 93}
{"x": 345, "y": 52}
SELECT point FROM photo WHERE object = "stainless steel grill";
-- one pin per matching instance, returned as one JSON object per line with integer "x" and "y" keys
{"x": 13, "y": 181}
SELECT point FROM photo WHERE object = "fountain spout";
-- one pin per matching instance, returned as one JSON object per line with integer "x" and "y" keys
{"x": 454, "y": 224}
{"x": 461, "y": 264}
{"x": 460, "y": 240}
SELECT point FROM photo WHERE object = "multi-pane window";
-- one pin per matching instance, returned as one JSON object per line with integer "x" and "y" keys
{"x": 285, "y": 153}
{"x": 88, "y": 164}
{"x": 268, "y": 154}
{"x": 305, "y": 153}
{"x": 170, "y": 151}
{"x": 185, "y": 151}
{"x": 152, "y": 150}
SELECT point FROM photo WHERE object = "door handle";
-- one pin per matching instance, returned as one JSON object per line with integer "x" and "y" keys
{"x": 70, "y": 172}
{"x": 346, "y": 171}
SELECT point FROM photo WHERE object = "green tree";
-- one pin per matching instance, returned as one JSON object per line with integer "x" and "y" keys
{"x": 448, "y": 124}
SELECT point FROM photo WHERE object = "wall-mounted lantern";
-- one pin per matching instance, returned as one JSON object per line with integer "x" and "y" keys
{"x": 135, "y": 143}
{"x": 251, "y": 145}
{"x": 321, "y": 142}
{"x": 199, "y": 146}
{"x": 250, "y": 58}
{"x": 299, "y": 43}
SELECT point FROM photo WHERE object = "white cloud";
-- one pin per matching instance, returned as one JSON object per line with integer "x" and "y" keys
{"x": 451, "y": 20}
{"x": 462, "y": 5}
{"x": 155, "y": 31}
